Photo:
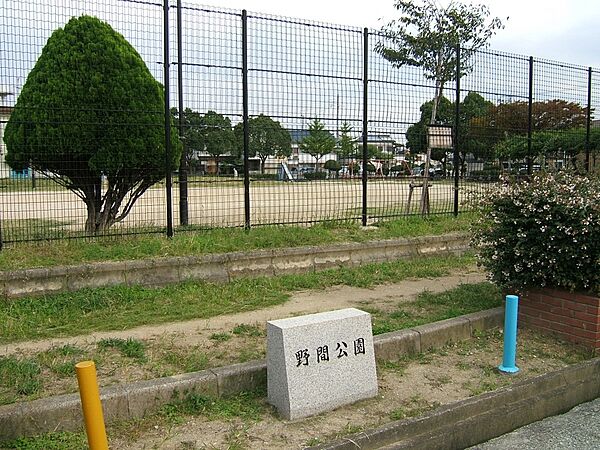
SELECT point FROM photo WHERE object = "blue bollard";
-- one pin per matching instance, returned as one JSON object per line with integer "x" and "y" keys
{"x": 510, "y": 335}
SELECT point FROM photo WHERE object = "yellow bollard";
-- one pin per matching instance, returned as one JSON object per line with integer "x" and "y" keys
{"x": 91, "y": 405}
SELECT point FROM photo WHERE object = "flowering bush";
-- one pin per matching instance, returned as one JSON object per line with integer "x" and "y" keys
{"x": 542, "y": 232}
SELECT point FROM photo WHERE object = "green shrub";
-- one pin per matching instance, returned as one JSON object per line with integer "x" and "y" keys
{"x": 264, "y": 176}
{"x": 542, "y": 232}
{"x": 315, "y": 175}
{"x": 332, "y": 164}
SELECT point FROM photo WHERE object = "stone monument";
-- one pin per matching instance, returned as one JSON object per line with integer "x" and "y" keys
{"x": 318, "y": 362}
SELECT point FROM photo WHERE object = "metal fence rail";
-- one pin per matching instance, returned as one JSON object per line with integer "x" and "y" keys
{"x": 231, "y": 75}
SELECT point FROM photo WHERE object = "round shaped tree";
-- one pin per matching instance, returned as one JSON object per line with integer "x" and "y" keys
{"x": 90, "y": 109}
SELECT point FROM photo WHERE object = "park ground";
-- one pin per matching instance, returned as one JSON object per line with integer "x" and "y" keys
{"x": 408, "y": 386}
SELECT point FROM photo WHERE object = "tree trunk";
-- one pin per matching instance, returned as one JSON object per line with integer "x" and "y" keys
{"x": 262, "y": 164}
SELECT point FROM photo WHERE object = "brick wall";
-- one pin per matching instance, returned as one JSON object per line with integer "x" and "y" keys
{"x": 574, "y": 317}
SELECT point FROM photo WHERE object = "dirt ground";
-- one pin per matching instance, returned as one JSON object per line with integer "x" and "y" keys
{"x": 222, "y": 204}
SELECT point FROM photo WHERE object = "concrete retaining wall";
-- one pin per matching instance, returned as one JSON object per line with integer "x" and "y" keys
{"x": 135, "y": 400}
{"x": 223, "y": 267}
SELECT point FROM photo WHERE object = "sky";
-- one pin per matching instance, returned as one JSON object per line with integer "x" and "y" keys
{"x": 562, "y": 30}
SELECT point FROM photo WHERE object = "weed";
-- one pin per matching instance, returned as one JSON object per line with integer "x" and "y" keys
{"x": 130, "y": 347}
{"x": 248, "y": 330}
{"x": 246, "y": 406}
{"x": 463, "y": 365}
{"x": 250, "y": 354}
{"x": 398, "y": 367}
{"x": 192, "y": 360}
{"x": 50, "y": 441}
{"x": 220, "y": 337}
{"x": 61, "y": 360}
{"x": 413, "y": 407}
{"x": 313, "y": 441}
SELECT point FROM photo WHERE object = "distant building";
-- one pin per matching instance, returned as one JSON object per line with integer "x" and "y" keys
{"x": 298, "y": 159}
{"x": 5, "y": 112}
{"x": 384, "y": 142}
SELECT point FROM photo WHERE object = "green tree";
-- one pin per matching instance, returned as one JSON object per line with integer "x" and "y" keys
{"x": 216, "y": 136}
{"x": 319, "y": 141}
{"x": 191, "y": 136}
{"x": 267, "y": 138}
{"x": 346, "y": 148}
{"x": 472, "y": 106}
{"x": 507, "y": 119}
{"x": 91, "y": 109}
{"x": 426, "y": 36}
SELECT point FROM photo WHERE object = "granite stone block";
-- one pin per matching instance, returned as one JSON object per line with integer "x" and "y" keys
{"x": 319, "y": 362}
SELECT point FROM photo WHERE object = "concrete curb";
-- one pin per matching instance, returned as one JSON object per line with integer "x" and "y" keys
{"x": 135, "y": 400}
{"x": 478, "y": 419}
{"x": 224, "y": 267}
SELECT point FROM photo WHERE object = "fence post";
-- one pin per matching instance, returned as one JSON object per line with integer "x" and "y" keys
{"x": 245, "y": 118}
{"x": 456, "y": 131}
{"x": 365, "y": 125}
{"x": 588, "y": 121}
{"x": 183, "y": 165}
{"x": 168, "y": 150}
{"x": 530, "y": 117}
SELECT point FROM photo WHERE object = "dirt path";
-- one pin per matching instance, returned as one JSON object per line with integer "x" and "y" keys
{"x": 196, "y": 331}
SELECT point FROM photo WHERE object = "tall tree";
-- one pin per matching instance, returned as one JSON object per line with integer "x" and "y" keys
{"x": 426, "y": 35}
{"x": 191, "y": 135}
{"x": 267, "y": 138}
{"x": 216, "y": 136}
{"x": 319, "y": 141}
{"x": 90, "y": 109}
{"x": 346, "y": 148}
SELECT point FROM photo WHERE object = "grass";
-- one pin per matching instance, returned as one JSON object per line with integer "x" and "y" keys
{"x": 245, "y": 343}
{"x": 18, "y": 377}
{"x": 413, "y": 407}
{"x": 123, "y": 307}
{"x": 247, "y": 406}
{"x": 50, "y": 441}
{"x": 430, "y": 307}
{"x": 131, "y": 348}
{"x": 219, "y": 240}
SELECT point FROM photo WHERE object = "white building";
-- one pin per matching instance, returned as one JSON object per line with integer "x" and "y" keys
{"x": 5, "y": 112}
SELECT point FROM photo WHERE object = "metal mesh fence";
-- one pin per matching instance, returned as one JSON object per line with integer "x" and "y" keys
{"x": 277, "y": 121}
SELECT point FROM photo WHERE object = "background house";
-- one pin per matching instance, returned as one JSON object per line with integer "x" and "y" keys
{"x": 5, "y": 112}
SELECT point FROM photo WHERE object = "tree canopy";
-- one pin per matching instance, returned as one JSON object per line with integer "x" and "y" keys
{"x": 508, "y": 119}
{"x": 319, "y": 141}
{"x": 216, "y": 137}
{"x": 191, "y": 135}
{"x": 346, "y": 148}
{"x": 472, "y": 106}
{"x": 266, "y": 138}
{"x": 426, "y": 35}
{"x": 91, "y": 109}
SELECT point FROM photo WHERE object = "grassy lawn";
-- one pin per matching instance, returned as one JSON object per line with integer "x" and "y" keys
{"x": 51, "y": 372}
{"x": 122, "y": 307}
{"x": 220, "y": 240}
